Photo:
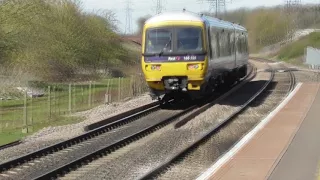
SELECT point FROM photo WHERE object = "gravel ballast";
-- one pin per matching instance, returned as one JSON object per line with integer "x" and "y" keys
{"x": 207, "y": 153}
{"x": 55, "y": 160}
{"x": 105, "y": 168}
{"x": 137, "y": 158}
{"x": 50, "y": 135}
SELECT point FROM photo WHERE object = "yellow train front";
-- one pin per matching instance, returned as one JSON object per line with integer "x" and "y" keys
{"x": 175, "y": 55}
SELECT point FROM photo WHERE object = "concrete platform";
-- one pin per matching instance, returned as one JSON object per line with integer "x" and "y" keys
{"x": 284, "y": 146}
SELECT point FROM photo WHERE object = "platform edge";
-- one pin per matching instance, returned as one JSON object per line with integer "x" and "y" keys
{"x": 226, "y": 157}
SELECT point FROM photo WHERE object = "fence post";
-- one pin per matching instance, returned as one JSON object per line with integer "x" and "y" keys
{"x": 58, "y": 102}
{"x": 31, "y": 112}
{"x": 131, "y": 86}
{"x": 74, "y": 97}
{"x": 119, "y": 89}
{"x": 70, "y": 98}
{"x": 93, "y": 91}
{"x": 107, "y": 99}
{"x": 25, "y": 118}
{"x": 1, "y": 107}
{"x": 54, "y": 99}
{"x": 49, "y": 101}
{"x": 89, "y": 102}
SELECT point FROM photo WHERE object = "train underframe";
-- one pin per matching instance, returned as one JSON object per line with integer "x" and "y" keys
{"x": 176, "y": 86}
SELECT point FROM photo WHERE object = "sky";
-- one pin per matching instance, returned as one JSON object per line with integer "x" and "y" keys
{"x": 148, "y": 7}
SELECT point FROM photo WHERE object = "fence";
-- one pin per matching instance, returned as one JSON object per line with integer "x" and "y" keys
{"x": 40, "y": 109}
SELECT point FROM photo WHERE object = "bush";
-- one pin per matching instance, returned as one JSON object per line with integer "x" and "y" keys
{"x": 55, "y": 40}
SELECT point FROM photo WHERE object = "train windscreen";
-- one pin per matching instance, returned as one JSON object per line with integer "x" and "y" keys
{"x": 159, "y": 40}
{"x": 176, "y": 40}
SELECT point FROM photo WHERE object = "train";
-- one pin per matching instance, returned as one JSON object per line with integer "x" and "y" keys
{"x": 190, "y": 55}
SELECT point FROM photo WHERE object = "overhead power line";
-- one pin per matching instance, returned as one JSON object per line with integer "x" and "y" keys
{"x": 217, "y": 6}
{"x": 292, "y": 5}
{"x": 128, "y": 28}
{"x": 159, "y": 6}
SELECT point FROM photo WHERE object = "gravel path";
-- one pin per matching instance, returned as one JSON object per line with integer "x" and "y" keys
{"x": 51, "y": 135}
{"x": 137, "y": 158}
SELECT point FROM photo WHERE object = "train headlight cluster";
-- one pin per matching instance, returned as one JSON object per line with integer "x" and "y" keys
{"x": 153, "y": 67}
{"x": 193, "y": 66}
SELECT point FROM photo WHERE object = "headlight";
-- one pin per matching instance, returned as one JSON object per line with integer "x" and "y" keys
{"x": 193, "y": 66}
{"x": 153, "y": 67}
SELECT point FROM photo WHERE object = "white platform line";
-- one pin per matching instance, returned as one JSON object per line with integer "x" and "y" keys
{"x": 225, "y": 158}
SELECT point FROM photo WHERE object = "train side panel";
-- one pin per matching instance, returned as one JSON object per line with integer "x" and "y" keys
{"x": 242, "y": 51}
{"x": 222, "y": 56}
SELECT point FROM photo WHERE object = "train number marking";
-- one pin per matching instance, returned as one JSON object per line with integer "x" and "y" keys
{"x": 188, "y": 58}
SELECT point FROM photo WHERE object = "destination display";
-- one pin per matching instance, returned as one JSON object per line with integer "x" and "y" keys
{"x": 175, "y": 58}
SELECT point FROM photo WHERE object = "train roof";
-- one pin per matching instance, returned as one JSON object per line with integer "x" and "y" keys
{"x": 186, "y": 16}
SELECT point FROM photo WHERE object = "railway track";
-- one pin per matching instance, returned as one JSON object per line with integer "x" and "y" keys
{"x": 14, "y": 143}
{"x": 24, "y": 167}
{"x": 287, "y": 85}
{"x": 179, "y": 156}
{"x": 189, "y": 112}
{"x": 94, "y": 130}
{"x": 102, "y": 126}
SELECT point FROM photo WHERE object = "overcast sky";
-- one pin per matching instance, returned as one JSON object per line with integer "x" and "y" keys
{"x": 144, "y": 7}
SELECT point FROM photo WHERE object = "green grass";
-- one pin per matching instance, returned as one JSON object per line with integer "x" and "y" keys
{"x": 296, "y": 49}
{"x": 10, "y": 135}
{"x": 40, "y": 114}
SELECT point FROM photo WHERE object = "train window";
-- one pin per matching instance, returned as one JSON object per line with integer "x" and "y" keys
{"x": 228, "y": 44}
{"x": 214, "y": 45}
{"x": 221, "y": 44}
{"x": 246, "y": 44}
{"x": 210, "y": 45}
{"x": 224, "y": 43}
{"x": 244, "y": 49}
{"x": 189, "y": 39}
{"x": 232, "y": 48}
{"x": 218, "y": 44}
{"x": 239, "y": 43}
{"x": 158, "y": 40}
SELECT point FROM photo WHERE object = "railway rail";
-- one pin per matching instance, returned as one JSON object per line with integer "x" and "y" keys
{"x": 179, "y": 156}
{"x": 94, "y": 130}
{"x": 67, "y": 145}
{"x": 190, "y": 111}
{"x": 14, "y": 143}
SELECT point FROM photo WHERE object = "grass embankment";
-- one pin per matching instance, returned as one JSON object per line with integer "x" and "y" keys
{"x": 54, "y": 110}
{"x": 57, "y": 43}
{"x": 294, "y": 52}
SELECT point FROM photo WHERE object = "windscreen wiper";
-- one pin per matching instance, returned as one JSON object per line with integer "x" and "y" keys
{"x": 162, "y": 51}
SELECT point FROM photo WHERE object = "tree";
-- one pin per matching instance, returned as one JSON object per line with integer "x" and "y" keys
{"x": 141, "y": 22}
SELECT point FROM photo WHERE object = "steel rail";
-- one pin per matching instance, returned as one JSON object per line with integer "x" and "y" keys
{"x": 292, "y": 81}
{"x": 127, "y": 114}
{"x": 116, "y": 121}
{"x": 292, "y": 76}
{"x": 156, "y": 171}
{"x": 126, "y": 140}
{"x": 14, "y": 143}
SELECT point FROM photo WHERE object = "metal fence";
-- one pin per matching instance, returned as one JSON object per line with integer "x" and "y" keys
{"x": 45, "y": 105}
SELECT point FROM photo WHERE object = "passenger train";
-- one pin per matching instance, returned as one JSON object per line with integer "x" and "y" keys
{"x": 187, "y": 53}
